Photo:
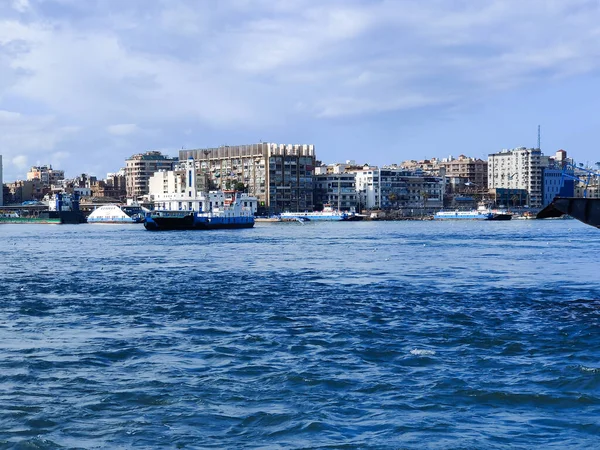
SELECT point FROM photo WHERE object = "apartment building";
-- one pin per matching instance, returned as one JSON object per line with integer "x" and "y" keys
{"x": 46, "y": 174}
{"x": 397, "y": 188}
{"x": 280, "y": 176}
{"x": 472, "y": 171}
{"x": 337, "y": 190}
{"x": 519, "y": 168}
{"x": 140, "y": 167}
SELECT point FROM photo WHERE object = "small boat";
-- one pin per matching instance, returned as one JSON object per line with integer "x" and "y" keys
{"x": 328, "y": 214}
{"x": 481, "y": 213}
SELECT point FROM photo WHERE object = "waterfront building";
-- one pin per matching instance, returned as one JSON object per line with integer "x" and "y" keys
{"x": 46, "y": 174}
{"x": 406, "y": 190}
{"x": 187, "y": 188}
{"x": 519, "y": 168}
{"x": 140, "y": 167}
{"x": 337, "y": 190}
{"x": 1, "y": 184}
{"x": 394, "y": 188}
{"x": 469, "y": 171}
{"x": 367, "y": 187}
{"x": 279, "y": 175}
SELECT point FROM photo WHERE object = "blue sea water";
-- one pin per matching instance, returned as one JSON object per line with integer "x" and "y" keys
{"x": 319, "y": 335}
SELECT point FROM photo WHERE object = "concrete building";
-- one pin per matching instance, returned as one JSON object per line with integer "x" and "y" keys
{"x": 367, "y": 188}
{"x": 1, "y": 184}
{"x": 140, "y": 167}
{"x": 337, "y": 190}
{"x": 114, "y": 186}
{"x": 519, "y": 168}
{"x": 472, "y": 171}
{"x": 393, "y": 188}
{"x": 46, "y": 174}
{"x": 25, "y": 190}
{"x": 279, "y": 175}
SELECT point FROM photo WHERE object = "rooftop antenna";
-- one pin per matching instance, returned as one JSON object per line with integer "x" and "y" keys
{"x": 539, "y": 138}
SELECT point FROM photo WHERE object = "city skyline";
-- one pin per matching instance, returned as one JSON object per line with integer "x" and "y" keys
{"x": 85, "y": 86}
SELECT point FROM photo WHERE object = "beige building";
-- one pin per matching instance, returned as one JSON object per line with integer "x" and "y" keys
{"x": 46, "y": 174}
{"x": 519, "y": 168}
{"x": 471, "y": 170}
{"x": 139, "y": 168}
{"x": 280, "y": 176}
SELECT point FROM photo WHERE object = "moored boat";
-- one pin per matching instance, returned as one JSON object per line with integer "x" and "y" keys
{"x": 482, "y": 213}
{"x": 112, "y": 213}
{"x": 328, "y": 214}
{"x": 227, "y": 216}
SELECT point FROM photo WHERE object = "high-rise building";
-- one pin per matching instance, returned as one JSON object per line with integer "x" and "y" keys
{"x": 140, "y": 167}
{"x": 519, "y": 168}
{"x": 279, "y": 175}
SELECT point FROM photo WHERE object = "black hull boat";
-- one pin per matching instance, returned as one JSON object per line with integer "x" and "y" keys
{"x": 586, "y": 210}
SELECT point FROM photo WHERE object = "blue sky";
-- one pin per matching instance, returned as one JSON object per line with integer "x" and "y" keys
{"x": 86, "y": 83}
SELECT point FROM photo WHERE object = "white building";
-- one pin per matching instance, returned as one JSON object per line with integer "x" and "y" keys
{"x": 186, "y": 189}
{"x": 367, "y": 187}
{"x": 519, "y": 168}
{"x": 397, "y": 188}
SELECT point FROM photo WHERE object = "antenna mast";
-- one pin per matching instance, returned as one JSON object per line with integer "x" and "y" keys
{"x": 539, "y": 138}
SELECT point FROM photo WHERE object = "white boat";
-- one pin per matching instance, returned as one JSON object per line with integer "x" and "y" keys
{"x": 112, "y": 213}
{"x": 328, "y": 214}
{"x": 481, "y": 213}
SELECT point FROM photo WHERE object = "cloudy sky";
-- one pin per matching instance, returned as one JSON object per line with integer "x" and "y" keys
{"x": 86, "y": 83}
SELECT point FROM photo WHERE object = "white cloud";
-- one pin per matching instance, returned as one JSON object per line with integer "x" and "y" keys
{"x": 123, "y": 129}
{"x": 21, "y": 5}
{"x": 122, "y": 68}
{"x": 20, "y": 162}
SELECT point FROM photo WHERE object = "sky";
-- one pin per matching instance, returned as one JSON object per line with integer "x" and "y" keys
{"x": 84, "y": 84}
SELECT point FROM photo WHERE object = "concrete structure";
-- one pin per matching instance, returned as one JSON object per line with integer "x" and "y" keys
{"x": 367, "y": 188}
{"x": 402, "y": 189}
{"x": 140, "y": 167}
{"x": 23, "y": 191}
{"x": 279, "y": 175}
{"x": 46, "y": 174}
{"x": 337, "y": 190}
{"x": 519, "y": 168}
{"x": 469, "y": 170}
{"x": 393, "y": 188}
{"x": 1, "y": 184}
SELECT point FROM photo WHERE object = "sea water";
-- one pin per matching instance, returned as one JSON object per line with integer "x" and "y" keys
{"x": 336, "y": 335}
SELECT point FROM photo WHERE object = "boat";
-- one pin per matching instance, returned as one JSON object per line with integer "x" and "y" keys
{"x": 586, "y": 210}
{"x": 113, "y": 213}
{"x": 328, "y": 214}
{"x": 230, "y": 215}
{"x": 481, "y": 213}
{"x": 14, "y": 217}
